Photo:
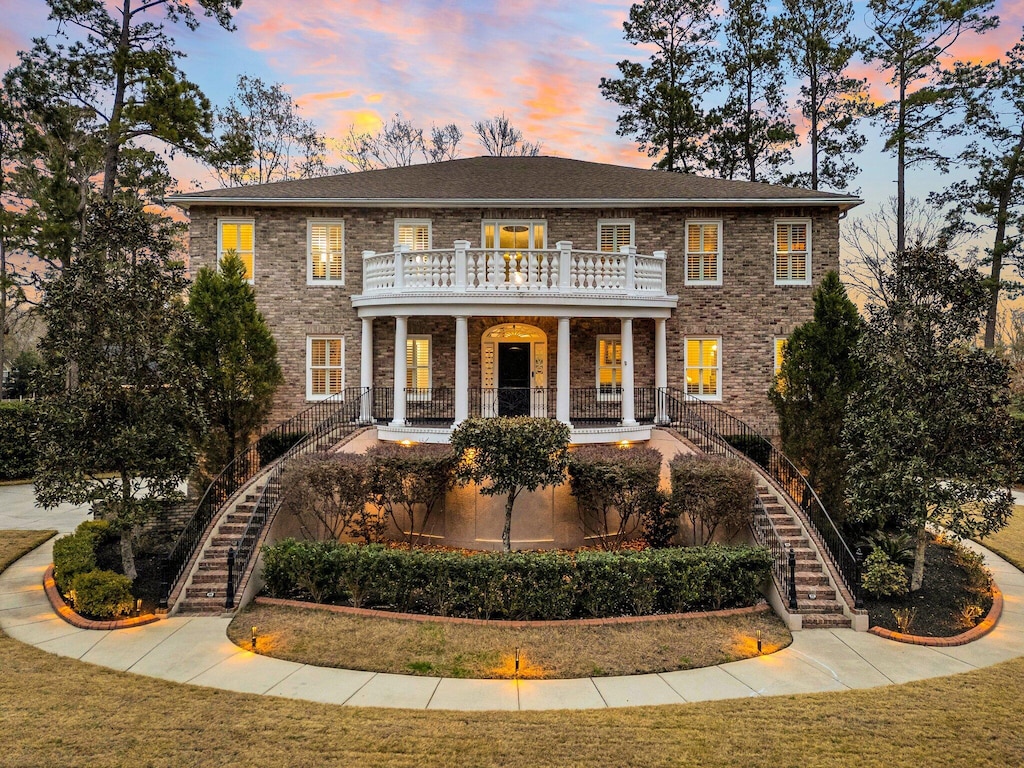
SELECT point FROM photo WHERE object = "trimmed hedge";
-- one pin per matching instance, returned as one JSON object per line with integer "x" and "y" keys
{"x": 97, "y": 593}
{"x": 103, "y": 594}
{"x": 518, "y": 585}
{"x": 18, "y": 453}
{"x": 76, "y": 553}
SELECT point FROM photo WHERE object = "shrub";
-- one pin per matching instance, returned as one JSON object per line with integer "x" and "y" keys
{"x": 519, "y": 585}
{"x": 328, "y": 494}
{"x": 898, "y": 546}
{"x": 660, "y": 522}
{"x": 616, "y": 490}
{"x": 882, "y": 577}
{"x": 18, "y": 453}
{"x": 274, "y": 444}
{"x": 408, "y": 483}
{"x": 76, "y": 553}
{"x": 712, "y": 493}
{"x": 102, "y": 594}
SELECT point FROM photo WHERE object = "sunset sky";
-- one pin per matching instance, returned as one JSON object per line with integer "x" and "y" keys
{"x": 357, "y": 62}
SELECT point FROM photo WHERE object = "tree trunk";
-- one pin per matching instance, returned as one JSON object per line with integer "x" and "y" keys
{"x": 506, "y": 535}
{"x": 128, "y": 554}
{"x": 999, "y": 246}
{"x": 917, "y": 577}
{"x": 112, "y": 150}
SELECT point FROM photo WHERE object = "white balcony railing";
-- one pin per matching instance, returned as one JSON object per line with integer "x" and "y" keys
{"x": 562, "y": 269}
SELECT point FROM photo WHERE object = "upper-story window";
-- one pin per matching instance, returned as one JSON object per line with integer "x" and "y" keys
{"x": 515, "y": 235}
{"x": 703, "y": 253}
{"x": 793, "y": 252}
{"x": 609, "y": 367}
{"x": 414, "y": 233}
{"x": 612, "y": 234}
{"x": 325, "y": 248}
{"x": 237, "y": 236}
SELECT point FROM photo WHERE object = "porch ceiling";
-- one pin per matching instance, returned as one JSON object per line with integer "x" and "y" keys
{"x": 448, "y": 305}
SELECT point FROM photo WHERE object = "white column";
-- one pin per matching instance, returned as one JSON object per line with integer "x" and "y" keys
{"x": 660, "y": 369}
{"x": 562, "y": 361}
{"x": 366, "y": 371}
{"x": 401, "y": 370}
{"x": 461, "y": 369}
{"x": 628, "y": 417}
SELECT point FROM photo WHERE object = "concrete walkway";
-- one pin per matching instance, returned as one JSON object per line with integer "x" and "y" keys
{"x": 196, "y": 650}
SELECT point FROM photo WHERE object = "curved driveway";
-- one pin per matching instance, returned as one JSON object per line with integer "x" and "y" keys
{"x": 196, "y": 650}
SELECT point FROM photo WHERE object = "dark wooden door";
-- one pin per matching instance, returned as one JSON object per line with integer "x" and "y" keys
{"x": 514, "y": 379}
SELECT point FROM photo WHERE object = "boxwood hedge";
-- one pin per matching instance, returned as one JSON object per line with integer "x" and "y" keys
{"x": 518, "y": 585}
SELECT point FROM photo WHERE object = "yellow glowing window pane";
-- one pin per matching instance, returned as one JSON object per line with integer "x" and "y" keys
{"x": 417, "y": 358}
{"x": 609, "y": 363}
{"x": 326, "y": 366}
{"x": 780, "y": 354}
{"x": 416, "y": 236}
{"x": 702, "y": 362}
{"x": 237, "y": 236}
{"x": 229, "y": 237}
{"x": 327, "y": 251}
{"x": 318, "y": 353}
{"x": 319, "y": 380}
{"x": 538, "y": 235}
{"x": 702, "y": 251}
{"x": 489, "y": 236}
{"x": 791, "y": 251}
{"x": 614, "y": 236}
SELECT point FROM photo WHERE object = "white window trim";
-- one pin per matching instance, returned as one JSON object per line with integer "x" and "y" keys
{"x": 531, "y": 223}
{"x": 220, "y": 240}
{"x": 717, "y": 281}
{"x": 421, "y": 397}
{"x": 309, "y": 365}
{"x": 617, "y": 222}
{"x": 615, "y": 394}
{"x": 416, "y": 223}
{"x": 310, "y": 223}
{"x": 716, "y": 398}
{"x": 775, "y": 252}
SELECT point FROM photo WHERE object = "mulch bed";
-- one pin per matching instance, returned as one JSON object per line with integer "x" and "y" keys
{"x": 945, "y": 589}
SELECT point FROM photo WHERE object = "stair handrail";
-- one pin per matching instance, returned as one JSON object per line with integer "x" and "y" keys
{"x": 237, "y": 473}
{"x": 720, "y": 425}
{"x": 269, "y": 497}
{"x": 768, "y": 536}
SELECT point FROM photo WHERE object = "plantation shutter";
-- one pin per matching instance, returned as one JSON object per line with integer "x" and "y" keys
{"x": 614, "y": 236}
{"x": 416, "y": 236}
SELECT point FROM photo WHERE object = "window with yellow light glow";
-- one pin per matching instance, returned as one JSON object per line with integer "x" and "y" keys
{"x": 237, "y": 236}
{"x": 325, "y": 369}
{"x": 609, "y": 367}
{"x": 612, "y": 234}
{"x": 326, "y": 252}
{"x": 793, "y": 252}
{"x": 780, "y": 353}
{"x": 417, "y": 371}
{"x": 414, "y": 233}
{"x": 703, "y": 253}
{"x": 704, "y": 367}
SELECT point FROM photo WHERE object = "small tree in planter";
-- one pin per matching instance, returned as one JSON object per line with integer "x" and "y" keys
{"x": 327, "y": 494}
{"x": 512, "y": 455}
{"x": 615, "y": 489}
{"x": 405, "y": 481}
{"x": 712, "y": 493}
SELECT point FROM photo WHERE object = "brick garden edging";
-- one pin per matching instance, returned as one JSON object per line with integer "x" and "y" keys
{"x": 372, "y": 613}
{"x": 963, "y": 638}
{"x": 65, "y": 611}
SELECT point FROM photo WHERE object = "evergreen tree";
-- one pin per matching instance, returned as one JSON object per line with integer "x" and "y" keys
{"x": 928, "y": 429}
{"x": 115, "y": 414}
{"x": 661, "y": 101}
{"x": 819, "y": 371}
{"x": 233, "y": 357}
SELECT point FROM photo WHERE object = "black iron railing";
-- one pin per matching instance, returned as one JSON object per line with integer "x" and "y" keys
{"x": 717, "y": 432}
{"x": 246, "y": 465}
{"x": 330, "y": 430}
{"x": 767, "y": 535}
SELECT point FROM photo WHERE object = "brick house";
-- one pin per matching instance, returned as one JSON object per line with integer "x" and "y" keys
{"x": 544, "y": 286}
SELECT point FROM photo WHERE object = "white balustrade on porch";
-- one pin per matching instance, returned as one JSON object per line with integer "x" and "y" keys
{"x": 561, "y": 269}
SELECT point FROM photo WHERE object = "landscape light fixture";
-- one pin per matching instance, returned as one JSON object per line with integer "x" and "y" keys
{"x": 138, "y": 607}
{"x": 254, "y": 639}
{"x": 759, "y": 642}
{"x": 517, "y": 661}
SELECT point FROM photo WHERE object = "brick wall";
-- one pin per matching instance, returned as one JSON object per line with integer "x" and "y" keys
{"x": 747, "y": 311}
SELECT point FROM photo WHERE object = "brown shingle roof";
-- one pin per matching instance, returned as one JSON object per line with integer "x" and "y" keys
{"x": 510, "y": 180}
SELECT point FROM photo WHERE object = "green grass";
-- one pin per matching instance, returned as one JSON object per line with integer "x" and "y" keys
{"x": 60, "y": 712}
{"x": 1009, "y": 542}
{"x": 326, "y": 639}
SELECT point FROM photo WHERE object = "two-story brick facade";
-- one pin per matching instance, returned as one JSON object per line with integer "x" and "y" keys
{"x": 525, "y": 285}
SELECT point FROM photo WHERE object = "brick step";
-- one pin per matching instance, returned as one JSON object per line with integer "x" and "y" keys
{"x": 803, "y": 554}
{"x": 197, "y": 608}
{"x": 214, "y": 564}
{"x": 211, "y": 576}
{"x": 825, "y": 620}
{"x": 226, "y": 542}
{"x": 791, "y": 533}
{"x": 818, "y": 606}
{"x": 803, "y": 578}
{"x": 237, "y": 518}
{"x": 803, "y": 592}
{"x": 232, "y": 528}
{"x": 203, "y": 592}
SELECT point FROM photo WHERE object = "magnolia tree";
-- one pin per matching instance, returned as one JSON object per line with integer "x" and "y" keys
{"x": 509, "y": 455}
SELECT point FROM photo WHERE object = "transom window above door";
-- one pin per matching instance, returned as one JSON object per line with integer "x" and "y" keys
{"x": 515, "y": 235}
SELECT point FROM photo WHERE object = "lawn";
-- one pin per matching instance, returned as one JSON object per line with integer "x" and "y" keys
{"x": 1009, "y": 542}
{"x": 58, "y": 711}
{"x": 441, "y": 649}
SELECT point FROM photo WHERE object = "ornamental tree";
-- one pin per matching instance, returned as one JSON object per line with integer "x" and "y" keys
{"x": 928, "y": 429}
{"x": 511, "y": 455}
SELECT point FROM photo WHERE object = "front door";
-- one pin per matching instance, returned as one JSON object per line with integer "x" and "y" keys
{"x": 514, "y": 379}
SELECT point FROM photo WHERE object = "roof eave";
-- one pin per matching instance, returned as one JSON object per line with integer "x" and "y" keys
{"x": 843, "y": 203}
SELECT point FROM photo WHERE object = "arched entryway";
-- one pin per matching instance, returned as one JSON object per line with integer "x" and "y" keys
{"x": 514, "y": 370}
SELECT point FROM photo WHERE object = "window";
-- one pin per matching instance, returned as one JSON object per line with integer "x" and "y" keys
{"x": 793, "y": 252}
{"x": 609, "y": 367}
{"x": 326, "y": 249}
{"x": 703, "y": 253}
{"x": 780, "y": 353}
{"x": 512, "y": 235}
{"x": 613, "y": 234}
{"x": 236, "y": 235}
{"x": 417, "y": 361}
{"x": 414, "y": 233}
{"x": 325, "y": 371}
{"x": 704, "y": 368}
